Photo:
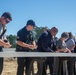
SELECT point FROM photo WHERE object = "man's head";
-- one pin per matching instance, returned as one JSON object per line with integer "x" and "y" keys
{"x": 64, "y": 35}
{"x": 6, "y": 18}
{"x": 70, "y": 35}
{"x": 54, "y": 31}
{"x": 30, "y": 25}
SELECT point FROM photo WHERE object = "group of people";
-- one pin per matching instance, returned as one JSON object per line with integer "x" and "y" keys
{"x": 47, "y": 42}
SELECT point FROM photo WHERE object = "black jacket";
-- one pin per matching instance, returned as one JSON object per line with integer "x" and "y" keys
{"x": 46, "y": 42}
{"x": 24, "y": 36}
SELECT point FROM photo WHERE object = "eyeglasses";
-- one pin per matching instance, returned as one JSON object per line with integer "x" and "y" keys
{"x": 7, "y": 21}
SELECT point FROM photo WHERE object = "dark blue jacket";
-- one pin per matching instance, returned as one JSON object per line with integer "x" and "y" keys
{"x": 24, "y": 36}
{"x": 46, "y": 43}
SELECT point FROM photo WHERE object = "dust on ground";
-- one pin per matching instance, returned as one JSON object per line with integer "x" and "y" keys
{"x": 10, "y": 66}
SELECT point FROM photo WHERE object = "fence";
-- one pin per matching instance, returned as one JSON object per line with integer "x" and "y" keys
{"x": 10, "y": 52}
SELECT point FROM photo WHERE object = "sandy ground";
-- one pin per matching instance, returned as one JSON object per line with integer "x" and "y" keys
{"x": 10, "y": 66}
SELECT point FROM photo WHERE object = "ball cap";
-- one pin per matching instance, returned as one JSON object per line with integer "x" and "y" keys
{"x": 31, "y": 22}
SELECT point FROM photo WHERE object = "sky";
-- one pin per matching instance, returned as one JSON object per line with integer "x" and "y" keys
{"x": 59, "y": 13}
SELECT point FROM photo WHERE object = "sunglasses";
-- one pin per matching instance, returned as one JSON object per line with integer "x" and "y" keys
{"x": 7, "y": 21}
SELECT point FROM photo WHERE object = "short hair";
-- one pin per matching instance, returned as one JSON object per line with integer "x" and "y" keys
{"x": 64, "y": 35}
{"x": 70, "y": 35}
{"x": 30, "y": 22}
{"x": 54, "y": 28}
{"x": 7, "y": 15}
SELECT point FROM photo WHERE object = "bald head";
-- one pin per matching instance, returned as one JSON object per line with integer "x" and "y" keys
{"x": 54, "y": 31}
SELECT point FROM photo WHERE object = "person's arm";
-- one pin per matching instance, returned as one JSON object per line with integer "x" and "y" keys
{"x": 67, "y": 50}
{"x": 20, "y": 38}
{"x": 34, "y": 44}
{"x": 45, "y": 41}
{"x": 5, "y": 39}
{"x": 73, "y": 44}
{"x": 33, "y": 41}
{"x": 5, "y": 42}
{"x": 2, "y": 43}
{"x": 64, "y": 50}
{"x": 22, "y": 44}
{"x": 60, "y": 49}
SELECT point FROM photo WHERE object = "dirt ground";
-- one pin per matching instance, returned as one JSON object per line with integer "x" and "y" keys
{"x": 10, "y": 66}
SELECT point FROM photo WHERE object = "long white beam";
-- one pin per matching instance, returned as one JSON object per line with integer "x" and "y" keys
{"x": 35, "y": 54}
{"x": 10, "y": 52}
